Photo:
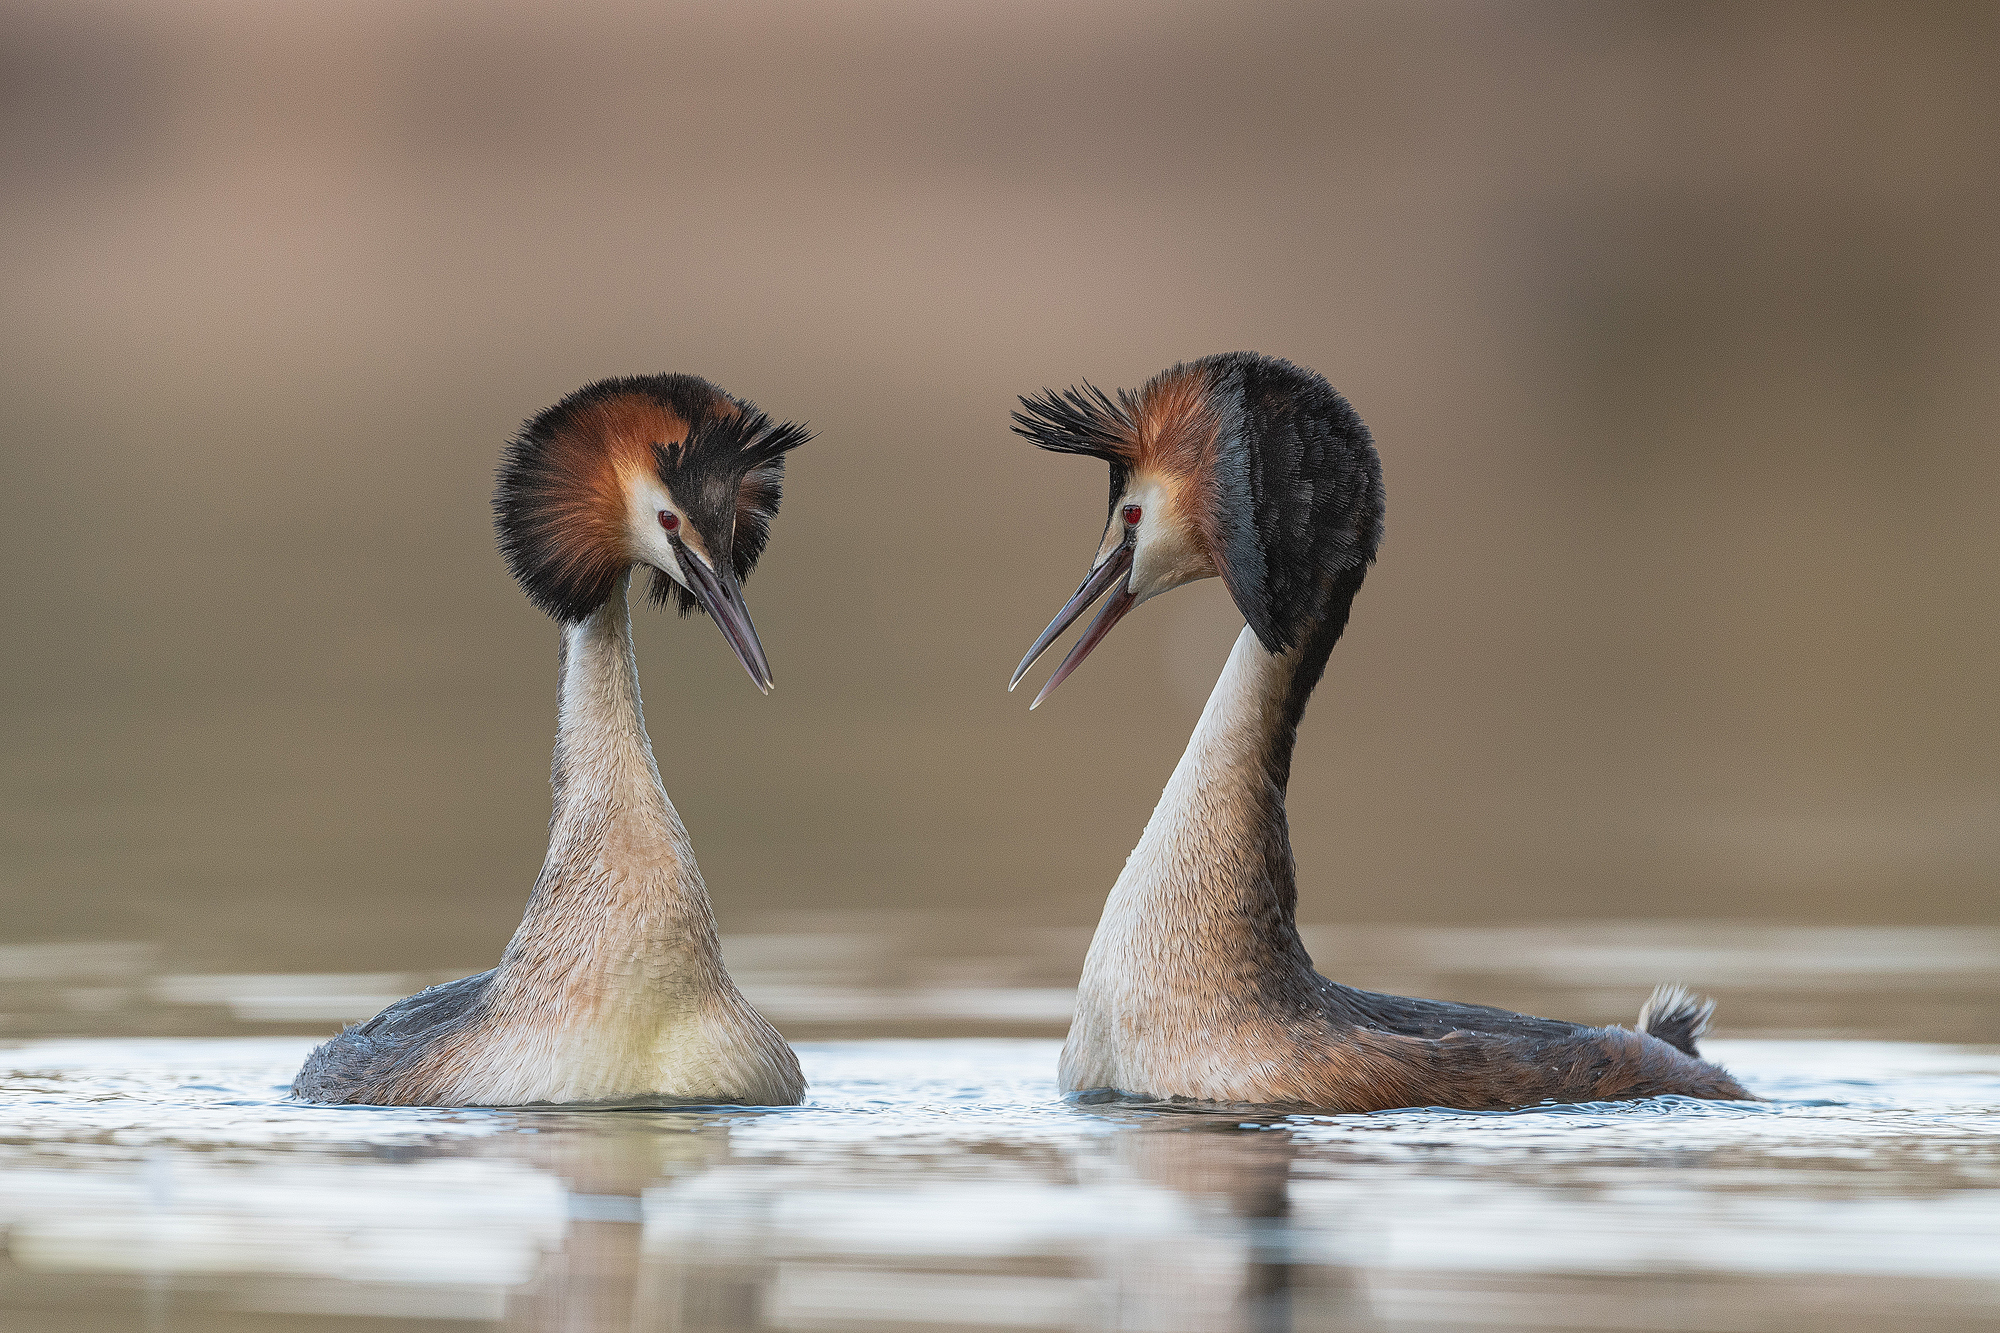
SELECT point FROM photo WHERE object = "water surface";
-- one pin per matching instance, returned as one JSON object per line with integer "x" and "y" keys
{"x": 166, "y": 1184}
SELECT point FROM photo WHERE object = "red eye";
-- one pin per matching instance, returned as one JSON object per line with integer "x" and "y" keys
{"x": 670, "y": 521}
{"x": 1132, "y": 513}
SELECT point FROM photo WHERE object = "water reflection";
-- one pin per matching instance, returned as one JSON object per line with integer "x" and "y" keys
{"x": 1238, "y": 1181}
{"x": 940, "y": 1184}
{"x": 1170, "y": 1224}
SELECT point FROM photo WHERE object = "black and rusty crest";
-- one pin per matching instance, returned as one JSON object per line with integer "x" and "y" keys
{"x": 1284, "y": 482}
{"x": 561, "y": 505}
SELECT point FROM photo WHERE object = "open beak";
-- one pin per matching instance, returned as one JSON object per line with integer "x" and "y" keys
{"x": 722, "y": 597}
{"x": 1109, "y": 575}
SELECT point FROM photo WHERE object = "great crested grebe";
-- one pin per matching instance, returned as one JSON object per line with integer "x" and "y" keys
{"x": 612, "y": 989}
{"x": 1197, "y": 985}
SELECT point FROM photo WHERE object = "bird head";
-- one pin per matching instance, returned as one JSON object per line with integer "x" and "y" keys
{"x": 1239, "y": 466}
{"x": 665, "y": 471}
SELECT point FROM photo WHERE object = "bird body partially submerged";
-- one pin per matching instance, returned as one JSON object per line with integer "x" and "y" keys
{"x": 1197, "y": 985}
{"x": 613, "y": 989}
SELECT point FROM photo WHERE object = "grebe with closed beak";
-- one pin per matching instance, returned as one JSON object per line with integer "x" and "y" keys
{"x": 612, "y": 990}
{"x": 1196, "y": 985}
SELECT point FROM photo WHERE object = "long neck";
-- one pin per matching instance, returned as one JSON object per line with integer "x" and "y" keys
{"x": 620, "y": 882}
{"x": 1210, "y": 889}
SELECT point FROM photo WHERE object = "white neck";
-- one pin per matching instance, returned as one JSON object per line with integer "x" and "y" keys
{"x": 613, "y": 986}
{"x": 1201, "y": 920}
{"x": 1215, "y": 858}
{"x": 620, "y": 882}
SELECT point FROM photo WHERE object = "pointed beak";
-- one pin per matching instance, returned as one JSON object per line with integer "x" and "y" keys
{"x": 1108, "y": 576}
{"x": 722, "y": 597}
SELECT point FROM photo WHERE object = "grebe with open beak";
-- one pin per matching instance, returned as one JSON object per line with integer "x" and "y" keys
{"x": 1197, "y": 986}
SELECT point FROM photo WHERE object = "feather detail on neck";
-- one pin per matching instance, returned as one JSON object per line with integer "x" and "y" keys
{"x": 613, "y": 987}
{"x": 620, "y": 880}
{"x": 1201, "y": 919}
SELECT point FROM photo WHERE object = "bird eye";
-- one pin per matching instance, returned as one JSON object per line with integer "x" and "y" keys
{"x": 670, "y": 520}
{"x": 1132, "y": 513}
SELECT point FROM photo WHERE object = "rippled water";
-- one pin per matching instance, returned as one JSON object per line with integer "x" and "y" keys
{"x": 166, "y": 1184}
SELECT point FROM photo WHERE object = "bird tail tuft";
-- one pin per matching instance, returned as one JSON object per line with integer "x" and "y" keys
{"x": 1676, "y": 1015}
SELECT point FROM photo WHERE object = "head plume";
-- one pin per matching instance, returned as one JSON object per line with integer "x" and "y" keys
{"x": 563, "y": 506}
{"x": 1084, "y": 421}
{"x": 1282, "y": 481}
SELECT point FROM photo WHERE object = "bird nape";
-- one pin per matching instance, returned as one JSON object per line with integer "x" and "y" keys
{"x": 612, "y": 990}
{"x": 1197, "y": 986}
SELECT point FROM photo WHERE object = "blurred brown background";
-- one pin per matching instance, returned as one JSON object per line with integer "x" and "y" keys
{"x": 1676, "y": 326}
